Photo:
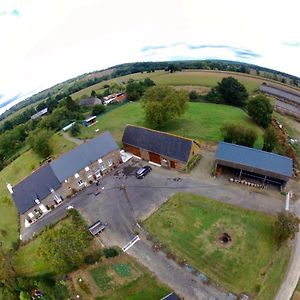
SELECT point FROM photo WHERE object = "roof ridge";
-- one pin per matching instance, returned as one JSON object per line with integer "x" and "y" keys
{"x": 254, "y": 149}
{"x": 162, "y": 132}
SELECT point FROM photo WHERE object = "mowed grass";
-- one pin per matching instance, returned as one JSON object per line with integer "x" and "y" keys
{"x": 186, "y": 78}
{"x": 202, "y": 121}
{"x": 190, "y": 226}
{"x": 13, "y": 173}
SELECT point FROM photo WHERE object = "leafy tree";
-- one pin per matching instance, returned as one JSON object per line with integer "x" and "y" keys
{"x": 75, "y": 130}
{"x": 270, "y": 140}
{"x": 41, "y": 106}
{"x": 238, "y": 134}
{"x": 64, "y": 248}
{"x": 148, "y": 82}
{"x": 39, "y": 142}
{"x": 7, "y": 274}
{"x": 260, "y": 110}
{"x": 162, "y": 103}
{"x": 98, "y": 109}
{"x": 285, "y": 227}
{"x": 71, "y": 104}
{"x": 110, "y": 252}
{"x": 231, "y": 92}
{"x": 93, "y": 94}
{"x": 134, "y": 90}
{"x": 214, "y": 96}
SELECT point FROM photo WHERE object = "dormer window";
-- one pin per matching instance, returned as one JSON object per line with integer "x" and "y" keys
{"x": 37, "y": 201}
{"x": 76, "y": 175}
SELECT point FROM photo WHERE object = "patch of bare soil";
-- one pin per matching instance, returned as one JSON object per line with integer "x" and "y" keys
{"x": 201, "y": 90}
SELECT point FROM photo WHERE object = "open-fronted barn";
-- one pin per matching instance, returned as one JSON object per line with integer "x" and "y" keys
{"x": 249, "y": 162}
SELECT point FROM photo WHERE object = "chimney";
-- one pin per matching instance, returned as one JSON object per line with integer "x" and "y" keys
{"x": 9, "y": 187}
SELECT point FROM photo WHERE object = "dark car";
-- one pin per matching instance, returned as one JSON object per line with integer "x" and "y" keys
{"x": 142, "y": 172}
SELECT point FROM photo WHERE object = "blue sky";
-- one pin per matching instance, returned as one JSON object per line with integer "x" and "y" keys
{"x": 44, "y": 42}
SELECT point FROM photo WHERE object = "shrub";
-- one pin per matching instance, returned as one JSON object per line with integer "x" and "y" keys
{"x": 193, "y": 95}
{"x": 193, "y": 162}
{"x": 93, "y": 258}
{"x": 110, "y": 252}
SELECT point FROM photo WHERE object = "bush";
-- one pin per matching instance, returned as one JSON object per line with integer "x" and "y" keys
{"x": 75, "y": 130}
{"x": 193, "y": 95}
{"x": 110, "y": 252}
{"x": 98, "y": 109}
{"x": 93, "y": 258}
{"x": 193, "y": 162}
{"x": 238, "y": 134}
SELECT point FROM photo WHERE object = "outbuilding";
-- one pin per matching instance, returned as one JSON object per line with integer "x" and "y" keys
{"x": 167, "y": 150}
{"x": 264, "y": 166}
{"x": 90, "y": 121}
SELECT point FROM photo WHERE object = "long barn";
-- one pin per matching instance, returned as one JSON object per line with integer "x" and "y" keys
{"x": 167, "y": 150}
{"x": 249, "y": 162}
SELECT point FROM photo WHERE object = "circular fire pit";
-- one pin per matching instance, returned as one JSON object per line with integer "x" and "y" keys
{"x": 225, "y": 238}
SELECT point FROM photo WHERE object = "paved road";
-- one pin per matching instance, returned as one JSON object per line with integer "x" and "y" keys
{"x": 121, "y": 208}
{"x": 183, "y": 283}
{"x": 72, "y": 139}
{"x": 293, "y": 274}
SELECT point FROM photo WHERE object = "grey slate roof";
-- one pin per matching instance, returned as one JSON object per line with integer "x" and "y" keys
{"x": 158, "y": 142}
{"x": 287, "y": 106}
{"x": 89, "y": 101}
{"x": 171, "y": 296}
{"x": 83, "y": 155}
{"x": 37, "y": 185}
{"x": 279, "y": 93}
{"x": 255, "y": 158}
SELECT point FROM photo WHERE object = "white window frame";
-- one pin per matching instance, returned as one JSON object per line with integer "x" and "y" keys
{"x": 76, "y": 175}
{"x": 80, "y": 182}
{"x": 98, "y": 173}
{"x": 102, "y": 167}
{"x": 110, "y": 162}
{"x": 100, "y": 161}
{"x": 87, "y": 169}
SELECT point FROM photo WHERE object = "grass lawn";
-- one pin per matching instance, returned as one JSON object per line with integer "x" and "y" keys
{"x": 202, "y": 121}
{"x": 13, "y": 173}
{"x": 190, "y": 226}
{"x": 27, "y": 260}
{"x": 120, "y": 277}
{"x": 191, "y": 78}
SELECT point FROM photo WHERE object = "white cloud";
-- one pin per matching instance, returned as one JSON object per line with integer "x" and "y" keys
{"x": 51, "y": 40}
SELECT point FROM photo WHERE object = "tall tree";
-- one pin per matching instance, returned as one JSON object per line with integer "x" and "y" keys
{"x": 71, "y": 104}
{"x": 285, "y": 227}
{"x": 260, "y": 110}
{"x": 39, "y": 142}
{"x": 270, "y": 140}
{"x": 162, "y": 103}
{"x": 232, "y": 92}
{"x": 238, "y": 134}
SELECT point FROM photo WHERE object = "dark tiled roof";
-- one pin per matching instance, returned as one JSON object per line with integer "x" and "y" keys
{"x": 255, "y": 158}
{"x": 171, "y": 296}
{"x": 83, "y": 155}
{"x": 279, "y": 93}
{"x": 37, "y": 185}
{"x": 158, "y": 142}
{"x": 287, "y": 106}
{"x": 90, "y": 101}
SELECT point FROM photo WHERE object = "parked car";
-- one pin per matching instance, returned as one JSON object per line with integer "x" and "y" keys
{"x": 142, "y": 172}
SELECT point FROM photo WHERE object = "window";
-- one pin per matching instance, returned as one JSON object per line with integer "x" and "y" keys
{"x": 99, "y": 160}
{"x": 66, "y": 180}
{"x": 110, "y": 162}
{"x": 98, "y": 174}
{"x": 80, "y": 182}
{"x": 87, "y": 169}
{"x": 37, "y": 201}
{"x": 76, "y": 175}
{"x": 102, "y": 167}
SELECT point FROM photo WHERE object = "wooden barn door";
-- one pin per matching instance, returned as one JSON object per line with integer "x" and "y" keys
{"x": 133, "y": 150}
{"x": 154, "y": 157}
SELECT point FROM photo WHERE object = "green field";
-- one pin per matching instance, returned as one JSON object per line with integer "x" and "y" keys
{"x": 190, "y": 226}
{"x": 202, "y": 121}
{"x": 186, "y": 78}
{"x": 13, "y": 173}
